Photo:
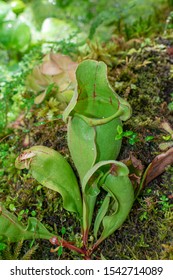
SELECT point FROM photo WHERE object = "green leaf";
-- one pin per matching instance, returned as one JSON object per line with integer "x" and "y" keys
{"x": 51, "y": 170}
{"x": 3, "y": 246}
{"x": 70, "y": 106}
{"x": 101, "y": 213}
{"x": 12, "y": 207}
{"x": 119, "y": 129}
{"x": 63, "y": 230}
{"x": 120, "y": 188}
{"x": 87, "y": 143}
{"x": 21, "y": 36}
{"x": 6, "y": 30}
{"x": 17, "y": 6}
{"x": 149, "y": 138}
{"x": 13, "y": 231}
{"x": 128, "y": 133}
{"x": 107, "y": 146}
{"x": 15, "y": 35}
{"x": 81, "y": 143}
{"x": 90, "y": 193}
{"x": 91, "y": 184}
{"x": 4, "y": 9}
{"x": 95, "y": 101}
{"x": 60, "y": 251}
{"x": 37, "y": 229}
{"x": 96, "y": 98}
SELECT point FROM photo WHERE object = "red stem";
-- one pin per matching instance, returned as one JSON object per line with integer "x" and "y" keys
{"x": 72, "y": 247}
{"x": 85, "y": 238}
{"x": 96, "y": 244}
{"x": 54, "y": 240}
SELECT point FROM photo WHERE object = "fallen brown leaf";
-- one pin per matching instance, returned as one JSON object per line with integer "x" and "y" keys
{"x": 135, "y": 170}
{"x": 158, "y": 165}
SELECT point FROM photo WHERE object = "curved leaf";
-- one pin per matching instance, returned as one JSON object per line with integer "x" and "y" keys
{"x": 51, "y": 170}
{"x": 70, "y": 106}
{"x": 96, "y": 98}
{"x": 92, "y": 182}
{"x": 121, "y": 190}
{"x": 88, "y": 144}
{"x": 101, "y": 213}
{"x": 103, "y": 167}
{"x": 13, "y": 231}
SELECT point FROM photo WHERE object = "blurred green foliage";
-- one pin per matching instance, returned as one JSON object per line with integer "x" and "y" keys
{"x": 29, "y": 29}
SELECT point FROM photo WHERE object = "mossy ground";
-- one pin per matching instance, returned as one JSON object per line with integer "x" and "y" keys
{"x": 143, "y": 75}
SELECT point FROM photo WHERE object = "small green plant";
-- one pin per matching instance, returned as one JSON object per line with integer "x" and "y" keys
{"x": 93, "y": 115}
{"x": 149, "y": 138}
{"x": 164, "y": 202}
{"x": 168, "y": 129}
{"x": 129, "y": 134}
{"x": 143, "y": 216}
{"x": 3, "y": 246}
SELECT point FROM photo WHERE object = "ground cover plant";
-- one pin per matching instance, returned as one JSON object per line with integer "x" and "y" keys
{"x": 39, "y": 118}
